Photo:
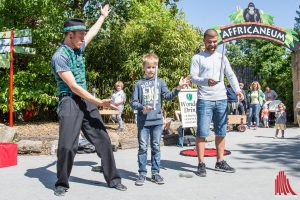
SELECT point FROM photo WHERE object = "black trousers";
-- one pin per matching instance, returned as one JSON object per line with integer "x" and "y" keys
{"x": 74, "y": 114}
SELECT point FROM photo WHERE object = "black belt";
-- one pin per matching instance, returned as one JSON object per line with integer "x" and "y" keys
{"x": 66, "y": 94}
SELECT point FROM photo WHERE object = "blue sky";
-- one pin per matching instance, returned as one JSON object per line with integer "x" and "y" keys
{"x": 208, "y": 13}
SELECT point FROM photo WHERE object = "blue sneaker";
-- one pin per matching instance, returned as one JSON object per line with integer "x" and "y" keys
{"x": 224, "y": 167}
{"x": 201, "y": 170}
{"x": 157, "y": 179}
{"x": 140, "y": 180}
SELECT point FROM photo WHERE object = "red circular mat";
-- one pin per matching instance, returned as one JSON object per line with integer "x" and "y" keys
{"x": 208, "y": 152}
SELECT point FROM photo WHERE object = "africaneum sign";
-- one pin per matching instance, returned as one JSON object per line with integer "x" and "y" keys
{"x": 253, "y": 30}
{"x": 255, "y": 23}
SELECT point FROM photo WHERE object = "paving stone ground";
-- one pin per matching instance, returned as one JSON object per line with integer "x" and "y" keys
{"x": 255, "y": 154}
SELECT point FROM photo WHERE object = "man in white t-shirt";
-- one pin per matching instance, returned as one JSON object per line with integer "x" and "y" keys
{"x": 207, "y": 71}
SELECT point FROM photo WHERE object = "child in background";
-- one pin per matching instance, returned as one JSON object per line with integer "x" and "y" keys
{"x": 280, "y": 123}
{"x": 265, "y": 116}
{"x": 119, "y": 99}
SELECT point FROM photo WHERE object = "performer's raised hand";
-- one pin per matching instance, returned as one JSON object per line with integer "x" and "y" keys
{"x": 105, "y": 10}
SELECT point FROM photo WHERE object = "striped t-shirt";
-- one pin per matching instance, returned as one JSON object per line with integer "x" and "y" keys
{"x": 61, "y": 62}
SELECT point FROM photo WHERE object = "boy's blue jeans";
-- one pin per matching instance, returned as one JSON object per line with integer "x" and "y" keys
{"x": 143, "y": 137}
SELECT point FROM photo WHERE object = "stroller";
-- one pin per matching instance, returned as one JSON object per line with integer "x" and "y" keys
{"x": 272, "y": 106}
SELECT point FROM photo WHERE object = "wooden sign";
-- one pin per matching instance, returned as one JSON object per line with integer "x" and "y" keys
{"x": 17, "y": 49}
{"x": 4, "y": 61}
{"x": 17, "y": 33}
{"x": 21, "y": 40}
{"x": 24, "y": 50}
{"x": 12, "y": 38}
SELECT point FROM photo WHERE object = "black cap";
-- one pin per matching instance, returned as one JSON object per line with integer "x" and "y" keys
{"x": 74, "y": 25}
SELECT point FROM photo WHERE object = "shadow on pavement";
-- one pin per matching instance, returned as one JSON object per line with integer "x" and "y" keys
{"x": 48, "y": 178}
{"x": 45, "y": 176}
{"x": 279, "y": 138}
{"x": 127, "y": 174}
{"x": 179, "y": 166}
{"x": 280, "y": 152}
{"x": 84, "y": 163}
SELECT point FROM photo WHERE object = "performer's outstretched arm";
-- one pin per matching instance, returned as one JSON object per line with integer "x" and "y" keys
{"x": 68, "y": 78}
{"x": 96, "y": 27}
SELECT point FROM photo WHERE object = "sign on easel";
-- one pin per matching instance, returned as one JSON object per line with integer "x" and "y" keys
{"x": 187, "y": 102}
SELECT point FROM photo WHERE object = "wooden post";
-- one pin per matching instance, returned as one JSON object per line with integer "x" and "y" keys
{"x": 296, "y": 80}
{"x": 11, "y": 78}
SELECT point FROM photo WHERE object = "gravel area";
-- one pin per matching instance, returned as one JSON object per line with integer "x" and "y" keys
{"x": 48, "y": 131}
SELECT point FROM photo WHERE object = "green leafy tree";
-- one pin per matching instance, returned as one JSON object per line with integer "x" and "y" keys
{"x": 34, "y": 87}
{"x": 134, "y": 27}
{"x": 34, "y": 84}
{"x": 152, "y": 28}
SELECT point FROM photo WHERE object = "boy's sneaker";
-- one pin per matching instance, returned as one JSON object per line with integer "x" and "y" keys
{"x": 275, "y": 137}
{"x": 282, "y": 136}
{"x": 157, "y": 179}
{"x": 201, "y": 171}
{"x": 224, "y": 167}
{"x": 140, "y": 180}
{"x": 60, "y": 191}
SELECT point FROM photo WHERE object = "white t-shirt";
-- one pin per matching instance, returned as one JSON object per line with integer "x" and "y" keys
{"x": 206, "y": 66}
{"x": 119, "y": 96}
